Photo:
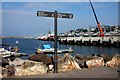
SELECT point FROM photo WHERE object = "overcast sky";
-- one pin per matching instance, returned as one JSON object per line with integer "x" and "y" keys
{"x": 19, "y": 18}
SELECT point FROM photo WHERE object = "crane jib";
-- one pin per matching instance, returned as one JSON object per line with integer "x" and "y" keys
{"x": 98, "y": 23}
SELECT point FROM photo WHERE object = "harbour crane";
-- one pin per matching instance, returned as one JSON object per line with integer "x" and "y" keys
{"x": 98, "y": 23}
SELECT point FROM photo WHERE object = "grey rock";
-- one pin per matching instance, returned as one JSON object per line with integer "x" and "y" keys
{"x": 4, "y": 72}
{"x": 106, "y": 57}
{"x": 81, "y": 57}
{"x": 41, "y": 57}
{"x": 16, "y": 62}
{"x": 81, "y": 63}
{"x": 67, "y": 63}
{"x": 115, "y": 61}
{"x": 30, "y": 68}
{"x": 95, "y": 62}
{"x": 10, "y": 70}
{"x": 50, "y": 69}
{"x": 3, "y": 61}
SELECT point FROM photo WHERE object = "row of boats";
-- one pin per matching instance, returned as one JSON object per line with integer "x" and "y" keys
{"x": 49, "y": 36}
{"x": 9, "y": 51}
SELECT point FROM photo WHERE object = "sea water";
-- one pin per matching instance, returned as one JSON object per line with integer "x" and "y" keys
{"x": 29, "y": 46}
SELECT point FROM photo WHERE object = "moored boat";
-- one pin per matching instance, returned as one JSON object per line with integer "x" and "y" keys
{"x": 9, "y": 51}
{"x": 5, "y": 53}
{"x": 47, "y": 49}
{"x": 47, "y": 37}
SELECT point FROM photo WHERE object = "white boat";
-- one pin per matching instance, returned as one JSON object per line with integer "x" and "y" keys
{"x": 44, "y": 37}
{"x": 5, "y": 53}
{"x": 48, "y": 50}
{"x": 49, "y": 36}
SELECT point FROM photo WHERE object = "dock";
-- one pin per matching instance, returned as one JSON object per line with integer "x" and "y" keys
{"x": 91, "y": 41}
{"x": 51, "y": 51}
{"x": 13, "y": 54}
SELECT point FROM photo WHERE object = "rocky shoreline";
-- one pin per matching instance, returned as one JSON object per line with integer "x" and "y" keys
{"x": 41, "y": 63}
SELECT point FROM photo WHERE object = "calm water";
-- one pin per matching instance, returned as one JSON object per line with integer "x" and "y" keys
{"x": 28, "y": 46}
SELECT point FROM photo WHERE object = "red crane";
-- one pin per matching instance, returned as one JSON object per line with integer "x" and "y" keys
{"x": 98, "y": 23}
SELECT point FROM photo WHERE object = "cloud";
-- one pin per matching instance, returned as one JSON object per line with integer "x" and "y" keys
{"x": 44, "y": 6}
{"x": 59, "y": 0}
{"x": 17, "y": 12}
{"x": 29, "y": 8}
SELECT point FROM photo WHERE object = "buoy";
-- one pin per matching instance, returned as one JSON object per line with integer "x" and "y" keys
{"x": 70, "y": 48}
{"x": 17, "y": 42}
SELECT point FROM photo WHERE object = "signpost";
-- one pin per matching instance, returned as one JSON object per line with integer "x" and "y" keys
{"x": 52, "y": 14}
{"x": 55, "y": 15}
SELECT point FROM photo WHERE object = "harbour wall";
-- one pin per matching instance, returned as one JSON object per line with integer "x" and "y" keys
{"x": 91, "y": 41}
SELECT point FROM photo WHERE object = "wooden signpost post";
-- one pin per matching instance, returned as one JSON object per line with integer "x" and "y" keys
{"x": 55, "y": 15}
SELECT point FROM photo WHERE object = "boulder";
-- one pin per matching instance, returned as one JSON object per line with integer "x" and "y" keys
{"x": 4, "y": 72}
{"x": 67, "y": 63}
{"x": 115, "y": 61}
{"x": 10, "y": 70}
{"x": 3, "y": 61}
{"x": 30, "y": 68}
{"x": 50, "y": 68}
{"x": 81, "y": 60}
{"x": 98, "y": 55}
{"x": 106, "y": 57}
{"x": 16, "y": 62}
{"x": 81, "y": 57}
{"x": 95, "y": 62}
{"x": 81, "y": 63}
{"x": 41, "y": 57}
{"x": 78, "y": 57}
